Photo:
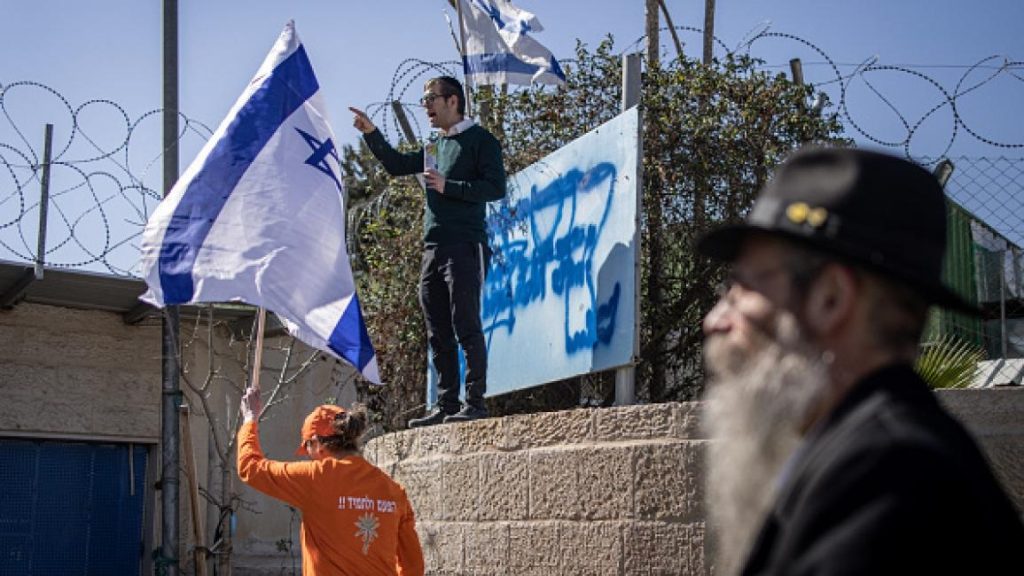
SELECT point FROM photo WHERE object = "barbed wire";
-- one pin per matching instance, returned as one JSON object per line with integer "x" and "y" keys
{"x": 408, "y": 72}
{"x": 863, "y": 72}
{"x": 102, "y": 195}
{"x": 100, "y": 198}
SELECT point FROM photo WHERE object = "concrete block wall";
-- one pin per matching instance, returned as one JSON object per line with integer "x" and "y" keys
{"x": 610, "y": 491}
{"x": 78, "y": 373}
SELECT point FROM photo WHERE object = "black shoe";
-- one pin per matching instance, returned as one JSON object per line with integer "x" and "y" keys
{"x": 436, "y": 417}
{"x": 466, "y": 414}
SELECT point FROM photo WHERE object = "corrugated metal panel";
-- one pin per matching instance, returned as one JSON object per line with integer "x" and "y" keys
{"x": 959, "y": 274}
{"x": 71, "y": 508}
{"x": 958, "y": 267}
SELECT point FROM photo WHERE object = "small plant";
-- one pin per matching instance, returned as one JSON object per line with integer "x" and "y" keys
{"x": 949, "y": 362}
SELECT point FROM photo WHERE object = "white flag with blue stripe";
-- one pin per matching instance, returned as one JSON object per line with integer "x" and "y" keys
{"x": 499, "y": 49}
{"x": 259, "y": 215}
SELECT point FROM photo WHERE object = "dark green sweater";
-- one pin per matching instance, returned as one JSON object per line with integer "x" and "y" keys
{"x": 471, "y": 163}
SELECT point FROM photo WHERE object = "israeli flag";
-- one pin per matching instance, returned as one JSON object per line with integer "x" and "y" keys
{"x": 499, "y": 49}
{"x": 259, "y": 215}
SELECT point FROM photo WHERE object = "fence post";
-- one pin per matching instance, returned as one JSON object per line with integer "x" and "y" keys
{"x": 44, "y": 200}
{"x": 625, "y": 377}
{"x": 796, "y": 68}
{"x": 17, "y": 290}
{"x": 1002, "y": 301}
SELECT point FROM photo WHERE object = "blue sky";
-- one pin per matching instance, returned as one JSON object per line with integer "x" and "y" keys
{"x": 111, "y": 50}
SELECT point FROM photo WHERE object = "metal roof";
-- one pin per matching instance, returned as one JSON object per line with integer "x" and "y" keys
{"x": 71, "y": 288}
{"x": 91, "y": 291}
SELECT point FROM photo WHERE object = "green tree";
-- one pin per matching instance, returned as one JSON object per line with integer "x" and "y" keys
{"x": 711, "y": 135}
{"x": 385, "y": 237}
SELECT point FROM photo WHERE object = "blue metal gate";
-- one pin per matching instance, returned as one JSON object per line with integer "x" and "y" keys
{"x": 69, "y": 508}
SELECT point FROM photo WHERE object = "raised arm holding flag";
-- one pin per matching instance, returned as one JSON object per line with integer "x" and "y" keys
{"x": 259, "y": 217}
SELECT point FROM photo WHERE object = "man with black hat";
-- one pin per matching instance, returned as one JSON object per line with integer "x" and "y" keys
{"x": 830, "y": 454}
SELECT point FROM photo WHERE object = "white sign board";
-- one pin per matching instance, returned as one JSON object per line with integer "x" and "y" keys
{"x": 559, "y": 299}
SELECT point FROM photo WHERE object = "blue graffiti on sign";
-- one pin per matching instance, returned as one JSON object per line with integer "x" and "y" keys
{"x": 560, "y": 295}
{"x": 544, "y": 245}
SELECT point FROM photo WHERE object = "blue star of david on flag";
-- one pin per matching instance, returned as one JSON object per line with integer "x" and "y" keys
{"x": 321, "y": 151}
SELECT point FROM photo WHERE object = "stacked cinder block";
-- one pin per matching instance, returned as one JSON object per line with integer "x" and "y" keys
{"x": 78, "y": 374}
{"x": 610, "y": 491}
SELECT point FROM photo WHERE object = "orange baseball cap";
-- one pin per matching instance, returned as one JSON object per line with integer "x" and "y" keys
{"x": 320, "y": 422}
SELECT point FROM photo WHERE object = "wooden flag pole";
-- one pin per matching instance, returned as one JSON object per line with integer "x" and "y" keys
{"x": 257, "y": 361}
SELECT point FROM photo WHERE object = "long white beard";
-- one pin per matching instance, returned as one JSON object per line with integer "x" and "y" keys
{"x": 755, "y": 406}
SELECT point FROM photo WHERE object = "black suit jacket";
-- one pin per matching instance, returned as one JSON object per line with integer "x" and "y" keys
{"x": 890, "y": 483}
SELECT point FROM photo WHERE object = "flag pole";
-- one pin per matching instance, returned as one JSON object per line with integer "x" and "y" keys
{"x": 451, "y": 30}
{"x": 257, "y": 361}
{"x": 462, "y": 51}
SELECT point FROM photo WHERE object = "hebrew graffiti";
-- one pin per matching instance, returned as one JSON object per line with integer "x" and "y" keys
{"x": 560, "y": 291}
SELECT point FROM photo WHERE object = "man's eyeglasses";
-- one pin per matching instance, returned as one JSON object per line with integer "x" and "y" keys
{"x": 429, "y": 97}
{"x": 753, "y": 281}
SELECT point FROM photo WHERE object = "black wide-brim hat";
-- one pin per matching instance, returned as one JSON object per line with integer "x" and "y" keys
{"x": 883, "y": 212}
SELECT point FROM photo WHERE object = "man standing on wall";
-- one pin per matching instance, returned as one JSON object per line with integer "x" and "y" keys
{"x": 830, "y": 454}
{"x": 463, "y": 170}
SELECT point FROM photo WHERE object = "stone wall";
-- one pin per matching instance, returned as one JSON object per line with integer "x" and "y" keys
{"x": 78, "y": 373}
{"x": 609, "y": 491}
{"x": 612, "y": 491}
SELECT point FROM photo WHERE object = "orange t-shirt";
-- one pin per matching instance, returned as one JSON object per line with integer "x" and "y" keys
{"x": 356, "y": 520}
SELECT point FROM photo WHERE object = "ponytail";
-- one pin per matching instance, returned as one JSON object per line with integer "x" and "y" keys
{"x": 349, "y": 427}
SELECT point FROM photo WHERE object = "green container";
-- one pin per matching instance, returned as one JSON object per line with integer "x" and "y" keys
{"x": 960, "y": 275}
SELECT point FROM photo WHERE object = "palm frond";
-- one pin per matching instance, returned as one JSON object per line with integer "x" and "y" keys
{"x": 949, "y": 362}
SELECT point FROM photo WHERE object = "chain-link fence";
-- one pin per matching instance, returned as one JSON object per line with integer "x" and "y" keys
{"x": 985, "y": 262}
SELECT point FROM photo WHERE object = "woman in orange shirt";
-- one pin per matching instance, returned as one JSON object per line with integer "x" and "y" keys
{"x": 356, "y": 520}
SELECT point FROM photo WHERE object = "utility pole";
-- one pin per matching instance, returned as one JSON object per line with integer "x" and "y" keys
{"x": 709, "y": 31}
{"x": 651, "y": 28}
{"x": 171, "y": 393}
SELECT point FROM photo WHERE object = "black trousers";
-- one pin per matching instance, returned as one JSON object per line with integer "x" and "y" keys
{"x": 451, "y": 280}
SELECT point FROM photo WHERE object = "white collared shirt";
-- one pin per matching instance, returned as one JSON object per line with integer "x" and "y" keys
{"x": 459, "y": 128}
